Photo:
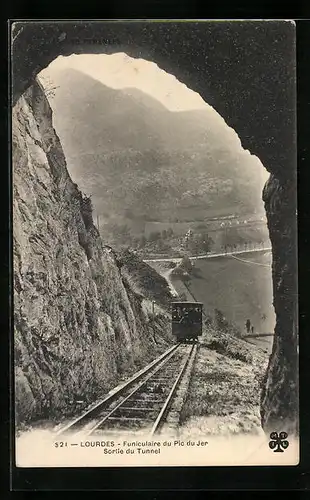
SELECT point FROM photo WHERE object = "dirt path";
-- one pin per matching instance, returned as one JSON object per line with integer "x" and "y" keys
{"x": 167, "y": 275}
{"x": 176, "y": 260}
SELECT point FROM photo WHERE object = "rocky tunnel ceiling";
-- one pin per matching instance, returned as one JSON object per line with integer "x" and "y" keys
{"x": 247, "y": 74}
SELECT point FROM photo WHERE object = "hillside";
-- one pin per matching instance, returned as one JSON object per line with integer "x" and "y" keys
{"x": 139, "y": 160}
{"x": 144, "y": 279}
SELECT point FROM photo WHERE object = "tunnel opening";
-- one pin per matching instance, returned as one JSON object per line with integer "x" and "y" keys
{"x": 166, "y": 175}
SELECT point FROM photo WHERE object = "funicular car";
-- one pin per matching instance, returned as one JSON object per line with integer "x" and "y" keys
{"x": 186, "y": 320}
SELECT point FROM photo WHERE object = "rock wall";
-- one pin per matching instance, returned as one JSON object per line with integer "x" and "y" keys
{"x": 78, "y": 323}
{"x": 279, "y": 399}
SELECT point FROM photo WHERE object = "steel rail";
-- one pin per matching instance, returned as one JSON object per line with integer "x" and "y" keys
{"x": 119, "y": 390}
{"x": 142, "y": 383}
{"x": 159, "y": 420}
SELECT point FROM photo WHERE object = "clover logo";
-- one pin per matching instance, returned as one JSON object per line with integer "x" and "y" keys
{"x": 278, "y": 441}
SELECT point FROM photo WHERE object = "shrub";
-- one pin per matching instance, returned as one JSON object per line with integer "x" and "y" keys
{"x": 186, "y": 265}
{"x": 87, "y": 210}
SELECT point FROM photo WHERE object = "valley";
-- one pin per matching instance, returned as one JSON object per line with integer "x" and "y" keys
{"x": 144, "y": 165}
{"x": 239, "y": 286}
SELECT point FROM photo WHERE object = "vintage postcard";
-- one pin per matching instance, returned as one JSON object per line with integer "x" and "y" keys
{"x": 154, "y": 243}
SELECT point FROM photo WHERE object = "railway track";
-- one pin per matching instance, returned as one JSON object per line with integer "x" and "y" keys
{"x": 142, "y": 404}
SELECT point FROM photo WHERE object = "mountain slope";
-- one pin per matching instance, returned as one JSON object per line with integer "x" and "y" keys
{"x": 131, "y": 153}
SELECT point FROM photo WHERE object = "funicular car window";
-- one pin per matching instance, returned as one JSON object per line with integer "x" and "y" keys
{"x": 187, "y": 313}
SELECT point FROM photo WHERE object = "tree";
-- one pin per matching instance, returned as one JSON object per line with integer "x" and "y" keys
{"x": 135, "y": 242}
{"x": 206, "y": 242}
{"x": 200, "y": 242}
{"x": 49, "y": 87}
{"x": 232, "y": 238}
{"x": 220, "y": 320}
{"x": 142, "y": 241}
{"x": 86, "y": 210}
{"x": 208, "y": 321}
{"x": 186, "y": 264}
{"x": 123, "y": 233}
{"x": 154, "y": 236}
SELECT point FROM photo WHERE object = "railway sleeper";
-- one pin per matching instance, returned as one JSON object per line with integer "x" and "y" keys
{"x": 135, "y": 408}
{"x": 117, "y": 433}
{"x": 121, "y": 419}
{"x": 145, "y": 401}
{"x": 162, "y": 380}
{"x": 157, "y": 389}
{"x": 137, "y": 413}
{"x": 125, "y": 423}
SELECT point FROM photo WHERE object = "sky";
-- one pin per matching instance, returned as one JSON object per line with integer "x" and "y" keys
{"x": 120, "y": 70}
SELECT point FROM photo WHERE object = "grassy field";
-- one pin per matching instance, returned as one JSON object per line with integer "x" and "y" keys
{"x": 224, "y": 392}
{"x": 240, "y": 287}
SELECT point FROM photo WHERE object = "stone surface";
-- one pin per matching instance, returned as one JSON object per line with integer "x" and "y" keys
{"x": 279, "y": 399}
{"x": 79, "y": 324}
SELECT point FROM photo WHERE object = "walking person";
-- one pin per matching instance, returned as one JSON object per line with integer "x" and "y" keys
{"x": 248, "y": 325}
